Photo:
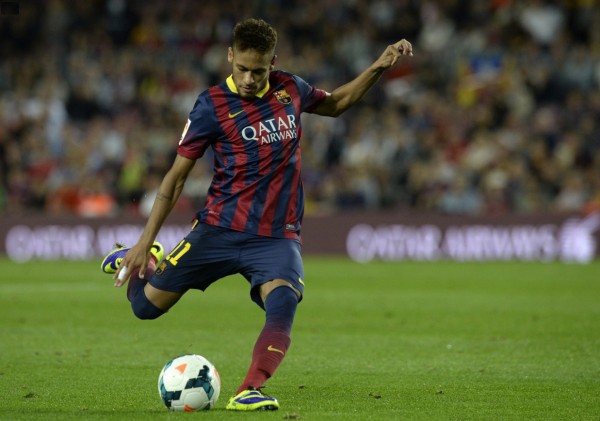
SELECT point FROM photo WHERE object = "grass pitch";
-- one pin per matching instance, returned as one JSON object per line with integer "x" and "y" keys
{"x": 379, "y": 341}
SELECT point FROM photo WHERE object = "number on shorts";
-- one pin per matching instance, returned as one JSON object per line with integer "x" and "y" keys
{"x": 176, "y": 254}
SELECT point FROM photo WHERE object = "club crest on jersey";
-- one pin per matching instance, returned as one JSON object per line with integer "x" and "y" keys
{"x": 282, "y": 96}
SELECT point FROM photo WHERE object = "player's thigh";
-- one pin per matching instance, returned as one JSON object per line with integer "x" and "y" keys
{"x": 200, "y": 259}
{"x": 268, "y": 259}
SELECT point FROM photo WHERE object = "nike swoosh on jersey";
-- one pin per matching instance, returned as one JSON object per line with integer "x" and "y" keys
{"x": 270, "y": 348}
{"x": 235, "y": 114}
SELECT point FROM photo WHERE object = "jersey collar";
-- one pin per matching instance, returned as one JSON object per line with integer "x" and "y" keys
{"x": 233, "y": 88}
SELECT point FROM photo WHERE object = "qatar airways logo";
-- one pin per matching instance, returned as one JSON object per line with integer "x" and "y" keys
{"x": 572, "y": 241}
{"x": 271, "y": 130}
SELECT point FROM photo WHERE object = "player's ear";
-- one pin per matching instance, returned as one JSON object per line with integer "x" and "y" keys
{"x": 272, "y": 66}
{"x": 230, "y": 55}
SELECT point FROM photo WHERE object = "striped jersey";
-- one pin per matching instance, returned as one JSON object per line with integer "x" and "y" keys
{"x": 256, "y": 185}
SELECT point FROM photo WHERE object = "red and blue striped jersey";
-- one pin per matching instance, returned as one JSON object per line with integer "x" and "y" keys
{"x": 257, "y": 184}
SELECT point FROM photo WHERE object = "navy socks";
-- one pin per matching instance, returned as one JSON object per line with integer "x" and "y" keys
{"x": 274, "y": 340}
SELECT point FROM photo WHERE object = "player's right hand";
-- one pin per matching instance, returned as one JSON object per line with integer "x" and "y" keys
{"x": 136, "y": 259}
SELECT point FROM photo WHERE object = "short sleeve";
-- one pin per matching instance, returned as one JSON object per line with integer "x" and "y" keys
{"x": 198, "y": 133}
{"x": 310, "y": 96}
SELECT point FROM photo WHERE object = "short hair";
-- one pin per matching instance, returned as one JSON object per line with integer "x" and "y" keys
{"x": 254, "y": 34}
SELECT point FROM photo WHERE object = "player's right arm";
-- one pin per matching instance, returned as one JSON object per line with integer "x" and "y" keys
{"x": 345, "y": 96}
{"x": 168, "y": 193}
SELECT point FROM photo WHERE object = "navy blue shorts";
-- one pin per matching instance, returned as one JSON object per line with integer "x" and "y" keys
{"x": 209, "y": 253}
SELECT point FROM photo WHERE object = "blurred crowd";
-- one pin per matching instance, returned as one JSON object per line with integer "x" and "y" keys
{"x": 497, "y": 112}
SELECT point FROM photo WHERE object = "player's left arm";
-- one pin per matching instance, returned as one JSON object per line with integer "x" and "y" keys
{"x": 343, "y": 97}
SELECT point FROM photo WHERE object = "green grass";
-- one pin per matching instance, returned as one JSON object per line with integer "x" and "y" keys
{"x": 382, "y": 341}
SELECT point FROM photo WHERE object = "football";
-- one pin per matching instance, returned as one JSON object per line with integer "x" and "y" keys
{"x": 189, "y": 383}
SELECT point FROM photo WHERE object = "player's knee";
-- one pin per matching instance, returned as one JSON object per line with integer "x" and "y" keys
{"x": 265, "y": 289}
{"x": 281, "y": 307}
{"x": 143, "y": 308}
{"x": 283, "y": 296}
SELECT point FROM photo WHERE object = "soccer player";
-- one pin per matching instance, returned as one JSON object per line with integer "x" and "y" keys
{"x": 251, "y": 221}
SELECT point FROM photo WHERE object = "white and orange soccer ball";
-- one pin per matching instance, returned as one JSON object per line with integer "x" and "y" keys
{"x": 189, "y": 383}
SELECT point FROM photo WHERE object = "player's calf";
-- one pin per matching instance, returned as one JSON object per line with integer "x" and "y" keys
{"x": 142, "y": 307}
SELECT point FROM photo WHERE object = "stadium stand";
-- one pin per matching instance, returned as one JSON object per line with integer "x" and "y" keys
{"x": 498, "y": 112}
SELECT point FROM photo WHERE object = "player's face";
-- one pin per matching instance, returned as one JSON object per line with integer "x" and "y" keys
{"x": 250, "y": 70}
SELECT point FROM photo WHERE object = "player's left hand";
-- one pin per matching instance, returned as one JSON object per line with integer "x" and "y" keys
{"x": 393, "y": 52}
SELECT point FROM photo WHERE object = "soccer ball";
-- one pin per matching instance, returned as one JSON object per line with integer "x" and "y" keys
{"x": 189, "y": 383}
